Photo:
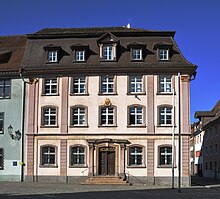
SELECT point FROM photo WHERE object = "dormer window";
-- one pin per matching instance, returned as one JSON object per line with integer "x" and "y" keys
{"x": 163, "y": 50}
{"x": 54, "y": 53}
{"x": 80, "y": 52}
{"x": 136, "y": 54}
{"x": 107, "y": 51}
{"x": 164, "y": 54}
{"x": 80, "y": 55}
{"x": 108, "y": 47}
{"x": 136, "y": 49}
{"x": 52, "y": 56}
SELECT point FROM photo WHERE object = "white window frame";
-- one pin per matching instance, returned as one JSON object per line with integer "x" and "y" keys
{"x": 80, "y": 81}
{"x": 77, "y": 154}
{"x": 48, "y": 113}
{"x": 81, "y": 116}
{"x": 137, "y": 82}
{"x": 137, "y": 114}
{"x": 50, "y": 83}
{"x": 165, "y": 83}
{"x": 52, "y": 56}
{"x": 136, "y": 154}
{"x": 136, "y": 53}
{"x": 5, "y": 84}
{"x": 108, "y": 52}
{"x": 48, "y": 153}
{"x": 165, "y": 112}
{"x": 109, "y": 112}
{"x": 80, "y": 55}
{"x": 165, "y": 154}
{"x": 108, "y": 83}
{"x": 163, "y": 54}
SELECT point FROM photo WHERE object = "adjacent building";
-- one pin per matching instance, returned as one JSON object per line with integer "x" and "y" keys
{"x": 104, "y": 102}
{"x": 11, "y": 107}
{"x": 209, "y": 137}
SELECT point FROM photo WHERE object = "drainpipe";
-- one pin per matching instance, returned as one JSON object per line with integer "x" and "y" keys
{"x": 22, "y": 131}
{"x": 179, "y": 131}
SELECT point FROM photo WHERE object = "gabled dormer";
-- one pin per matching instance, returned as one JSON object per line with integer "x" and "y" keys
{"x": 80, "y": 52}
{"x": 136, "y": 51}
{"x": 163, "y": 50}
{"x": 5, "y": 57}
{"x": 53, "y": 53}
{"x": 108, "y": 47}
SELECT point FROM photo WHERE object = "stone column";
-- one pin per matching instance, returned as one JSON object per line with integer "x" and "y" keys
{"x": 122, "y": 161}
{"x": 63, "y": 160}
{"x": 150, "y": 161}
{"x": 91, "y": 159}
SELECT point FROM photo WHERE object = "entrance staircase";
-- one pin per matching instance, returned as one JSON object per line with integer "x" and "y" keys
{"x": 105, "y": 180}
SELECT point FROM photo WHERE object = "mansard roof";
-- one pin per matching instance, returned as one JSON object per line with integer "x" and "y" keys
{"x": 11, "y": 54}
{"x": 68, "y": 38}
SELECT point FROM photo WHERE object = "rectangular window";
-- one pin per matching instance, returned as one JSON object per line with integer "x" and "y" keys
{"x": 49, "y": 116}
{"x": 107, "y": 116}
{"x": 165, "y": 116}
{"x": 79, "y": 85}
{"x": 77, "y": 155}
{"x": 135, "y": 115}
{"x": 80, "y": 55}
{"x": 79, "y": 115}
{"x": 163, "y": 54}
{"x": 5, "y": 88}
{"x": 136, "y": 84}
{"x": 107, "y": 52}
{"x": 165, "y": 84}
{"x": 48, "y": 155}
{"x": 135, "y": 156}
{"x": 136, "y": 54}
{"x": 50, "y": 86}
{"x": 52, "y": 56}
{"x": 1, "y": 159}
{"x": 165, "y": 156}
{"x": 107, "y": 85}
{"x": 1, "y": 123}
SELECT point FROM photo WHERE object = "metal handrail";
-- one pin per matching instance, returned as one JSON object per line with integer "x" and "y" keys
{"x": 128, "y": 174}
{"x": 87, "y": 169}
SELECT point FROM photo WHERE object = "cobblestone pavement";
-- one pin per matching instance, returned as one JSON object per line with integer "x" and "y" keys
{"x": 35, "y": 190}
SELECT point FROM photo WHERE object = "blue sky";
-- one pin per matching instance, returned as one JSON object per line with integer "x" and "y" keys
{"x": 196, "y": 23}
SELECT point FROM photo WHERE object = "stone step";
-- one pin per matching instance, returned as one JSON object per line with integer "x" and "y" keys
{"x": 105, "y": 180}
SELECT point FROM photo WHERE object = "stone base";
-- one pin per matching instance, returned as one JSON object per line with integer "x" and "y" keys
{"x": 136, "y": 180}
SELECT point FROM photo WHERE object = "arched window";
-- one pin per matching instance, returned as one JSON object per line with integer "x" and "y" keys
{"x": 49, "y": 116}
{"x": 77, "y": 155}
{"x": 136, "y": 156}
{"x": 79, "y": 115}
{"x": 165, "y": 115}
{"x": 165, "y": 155}
{"x": 136, "y": 115}
{"x": 107, "y": 115}
{"x": 48, "y": 155}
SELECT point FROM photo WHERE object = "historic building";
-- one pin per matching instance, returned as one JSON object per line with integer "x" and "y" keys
{"x": 11, "y": 108}
{"x": 102, "y": 104}
{"x": 209, "y": 132}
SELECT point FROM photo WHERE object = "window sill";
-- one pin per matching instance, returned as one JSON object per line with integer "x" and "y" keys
{"x": 56, "y": 62}
{"x": 79, "y": 94}
{"x": 79, "y": 62}
{"x": 2, "y": 98}
{"x": 137, "y": 60}
{"x": 143, "y": 93}
{"x": 78, "y": 166}
{"x": 107, "y": 94}
{"x": 43, "y": 94}
{"x": 107, "y": 60}
{"x": 135, "y": 167}
{"x": 55, "y": 126}
{"x": 159, "y": 93}
{"x": 166, "y": 126}
{"x": 137, "y": 126}
{"x": 82, "y": 126}
{"x": 48, "y": 166}
{"x": 108, "y": 126}
{"x": 165, "y": 167}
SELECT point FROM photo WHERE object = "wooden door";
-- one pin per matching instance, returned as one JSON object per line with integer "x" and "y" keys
{"x": 107, "y": 161}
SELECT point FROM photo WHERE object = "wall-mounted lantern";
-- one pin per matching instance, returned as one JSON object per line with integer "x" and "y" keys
{"x": 16, "y": 135}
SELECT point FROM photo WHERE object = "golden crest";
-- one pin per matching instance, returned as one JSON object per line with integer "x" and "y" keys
{"x": 107, "y": 102}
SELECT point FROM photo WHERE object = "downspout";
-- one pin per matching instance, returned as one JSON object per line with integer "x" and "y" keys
{"x": 22, "y": 131}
